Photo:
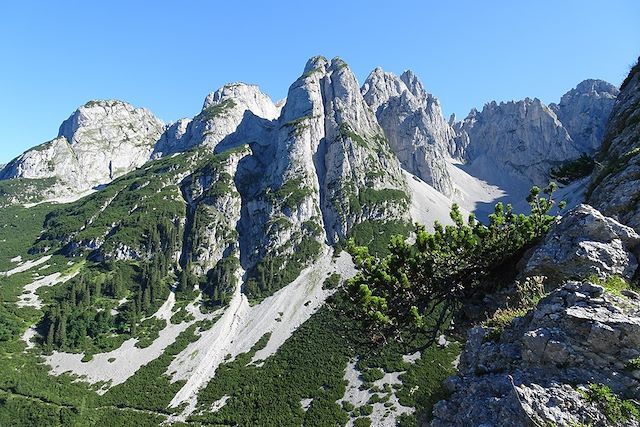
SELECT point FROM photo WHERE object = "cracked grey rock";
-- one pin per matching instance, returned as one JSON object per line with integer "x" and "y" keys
{"x": 414, "y": 125}
{"x": 528, "y": 376}
{"x": 101, "y": 141}
{"x": 615, "y": 184}
{"x": 584, "y": 243}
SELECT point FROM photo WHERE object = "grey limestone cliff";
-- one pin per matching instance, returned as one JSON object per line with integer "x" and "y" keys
{"x": 99, "y": 142}
{"x": 414, "y": 125}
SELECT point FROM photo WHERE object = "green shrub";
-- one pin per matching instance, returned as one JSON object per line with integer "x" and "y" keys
{"x": 366, "y": 410}
{"x": 371, "y": 375}
{"x": 614, "y": 408}
{"x": 420, "y": 285}
{"x": 634, "y": 364}
{"x": 362, "y": 422}
{"x": 501, "y": 319}
{"x": 612, "y": 284}
{"x": 574, "y": 169}
{"x": 332, "y": 281}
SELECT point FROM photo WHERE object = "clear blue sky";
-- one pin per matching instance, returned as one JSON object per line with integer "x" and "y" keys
{"x": 167, "y": 56}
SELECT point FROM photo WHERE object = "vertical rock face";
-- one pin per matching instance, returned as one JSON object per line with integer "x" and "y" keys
{"x": 414, "y": 125}
{"x": 324, "y": 168}
{"x": 614, "y": 189}
{"x": 228, "y": 110}
{"x": 99, "y": 142}
{"x": 214, "y": 210}
{"x": 515, "y": 141}
{"x": 584, "y": 112}
{"x": 519, "y": 142}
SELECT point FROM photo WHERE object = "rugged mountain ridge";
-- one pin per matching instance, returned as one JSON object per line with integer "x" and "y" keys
{"x": 413, "y": 122}
{"x": 100, "y": 141}
{"x": 521, "y": 141}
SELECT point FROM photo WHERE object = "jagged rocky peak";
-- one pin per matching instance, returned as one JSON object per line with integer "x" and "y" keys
{"x": 234, "y": 108}
{"x": 584, "y": 111}
{"x": 515, "y": 142}
{"x": 100, "y": 141}
{"x": 414, "y": 124}
{"x": 248, "y": 97}
{"x": 328, "y": 169}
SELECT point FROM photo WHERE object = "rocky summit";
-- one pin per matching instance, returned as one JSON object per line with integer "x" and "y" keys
{"x": 259, "y": 264}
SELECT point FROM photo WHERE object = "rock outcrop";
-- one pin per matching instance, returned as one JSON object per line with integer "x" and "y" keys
{"x": 584, "y": 112}
{"x": 214, "y": 206}
{"x": 235, "y": 108}
{"x": 324, "y": 168}
{"x": 585, "y": 243}
{"x": 615, "y": 187}
{"x": 99, "y": 142}
{"x": 414, "y": 125}
{"x": 534, "y": 373}
{"x": 516, "y": 144}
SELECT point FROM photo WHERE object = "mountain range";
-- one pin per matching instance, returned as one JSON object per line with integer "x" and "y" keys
{"x": 185, "y": 273}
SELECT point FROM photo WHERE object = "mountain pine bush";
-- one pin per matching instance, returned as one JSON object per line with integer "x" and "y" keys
{"x": 420, "y": 285}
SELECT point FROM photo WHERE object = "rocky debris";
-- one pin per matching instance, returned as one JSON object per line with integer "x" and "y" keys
{"x": 414, "y": 125}
{"x": 101, "y": 141}
{"x": 585, "y": 243}
{"x": 614, "y": 189}
{"x": 577, "y": 335}
{"x": 584, "y": 112}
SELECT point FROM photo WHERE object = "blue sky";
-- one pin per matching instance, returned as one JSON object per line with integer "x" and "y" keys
{"x": 167, "y": 56}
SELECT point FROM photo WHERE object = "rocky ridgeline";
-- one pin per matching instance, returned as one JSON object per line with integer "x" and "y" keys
{"x": 536, "y": 373}
{"x": 99, "y": 142}
{"x": 236, "y": 108}
{"x": 413, "y": 122}
{"x": 519, "y": 142}
{"x": 512, "y": 145}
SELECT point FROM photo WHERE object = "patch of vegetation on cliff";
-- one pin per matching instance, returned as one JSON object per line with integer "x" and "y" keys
{"x": 346, "y": 132}
{"x": 375, "y": 235}
{"x": 291, "y": 193}
{"x": 574, "y": 169}
{"x": 279, "y": 268}
{"x": 217, "y": 110}
{"x": 616, "y": 410}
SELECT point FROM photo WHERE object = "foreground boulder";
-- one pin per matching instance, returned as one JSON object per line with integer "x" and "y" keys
{"x": 534, "y": 372}
{"x": 585, "y": 243}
